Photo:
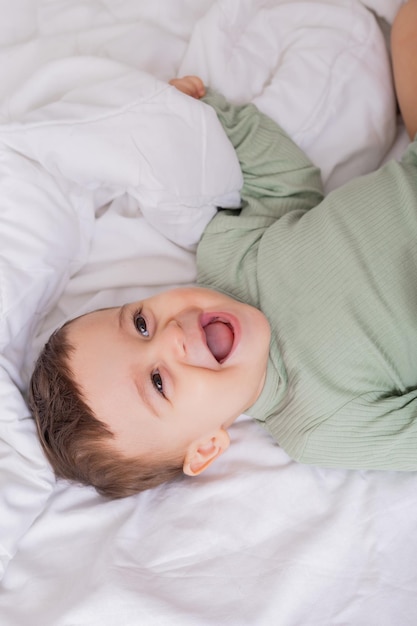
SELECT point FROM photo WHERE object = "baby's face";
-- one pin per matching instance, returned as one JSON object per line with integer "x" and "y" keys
{"x": 172, "y": 369}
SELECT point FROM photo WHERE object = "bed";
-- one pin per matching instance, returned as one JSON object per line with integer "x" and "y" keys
{"x": 108, "y": 177}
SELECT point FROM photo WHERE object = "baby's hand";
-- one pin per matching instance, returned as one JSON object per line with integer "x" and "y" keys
{"x": 190, "y": 85}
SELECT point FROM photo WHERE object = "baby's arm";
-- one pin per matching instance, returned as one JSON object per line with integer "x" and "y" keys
{"x": 404, "y": 58}
{"x": 279, "y": 179}
{"x": 272, "y": 165}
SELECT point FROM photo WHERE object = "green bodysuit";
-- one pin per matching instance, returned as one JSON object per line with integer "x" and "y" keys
{"x": 337, "y": 279}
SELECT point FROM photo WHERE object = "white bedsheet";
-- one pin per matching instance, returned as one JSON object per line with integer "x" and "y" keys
{"x": 107, "y": 176}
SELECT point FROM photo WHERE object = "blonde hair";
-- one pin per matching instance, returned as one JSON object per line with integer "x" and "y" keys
{"x": 75, "y": 441}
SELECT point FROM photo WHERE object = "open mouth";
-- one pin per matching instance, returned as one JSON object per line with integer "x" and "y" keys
{"x": 220, "y": 337}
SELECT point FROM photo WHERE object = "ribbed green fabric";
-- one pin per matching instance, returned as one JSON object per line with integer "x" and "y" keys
{"x": 337, "y": 279}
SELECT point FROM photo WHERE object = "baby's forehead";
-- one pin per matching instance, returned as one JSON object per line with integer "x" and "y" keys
{"x": 90, "y": 323}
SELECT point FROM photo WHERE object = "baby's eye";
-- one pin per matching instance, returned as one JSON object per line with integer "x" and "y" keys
{"x": 157, "y": 382}
{"x": 140, "y": 324}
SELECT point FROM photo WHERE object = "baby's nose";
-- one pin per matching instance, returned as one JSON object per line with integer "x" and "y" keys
{"x": 174, "y": 339}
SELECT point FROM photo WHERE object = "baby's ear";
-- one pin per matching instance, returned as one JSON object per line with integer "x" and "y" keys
{"x": 202, "y": 453}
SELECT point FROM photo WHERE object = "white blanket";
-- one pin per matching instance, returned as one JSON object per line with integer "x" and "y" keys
{"x": 107, "y": 177}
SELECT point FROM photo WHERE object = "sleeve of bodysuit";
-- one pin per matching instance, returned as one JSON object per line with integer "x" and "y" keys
{"x": 278, "y": 176}
{"x": 278, "y": 179}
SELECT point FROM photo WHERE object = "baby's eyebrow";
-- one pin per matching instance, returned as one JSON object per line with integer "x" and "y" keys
{"x": 121, "y": 316}
{"x": 145, "y": 397}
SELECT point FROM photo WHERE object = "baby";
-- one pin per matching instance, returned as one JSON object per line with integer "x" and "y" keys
{"x": 305, "y": 319}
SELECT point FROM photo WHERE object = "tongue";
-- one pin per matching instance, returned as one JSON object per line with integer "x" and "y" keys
{"x": 219, "y": 339}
